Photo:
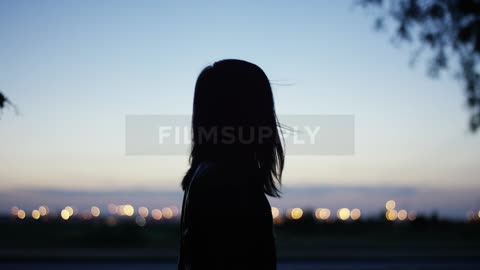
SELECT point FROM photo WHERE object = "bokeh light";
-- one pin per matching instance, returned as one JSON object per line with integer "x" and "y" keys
{"x": 355, "y": 214}
{"x": 175, "y": 210}
{"x": 70, "y": 210}
{"x": 391, "y": 215}
{"x": 402, "y": 214}
{"x": 296, "y": 213}
{"x": 412, "y": 215}
{"x": 21, "y": 214}
{"x": 14, "y": 210}
{"x": 390, "y": 205}
{"x": 35, "y": 214}
{"x": 120, "y": 210}
{"x": 43, "y": 210}
{"x": 112, "y": 208}
{"x": 128, "y": 210}
{"x": 95, "y": 211}
{"x": 157, "y": 214}
{"x": 343, "y": 213}
{"x": 143, "y": 211}
{"x": 167, "y": 212}
{"x": 322, "y": 213}
{"x": 140, "y": 221}
{"x": 65, "y": 214}
{"x": 275, "y": 212}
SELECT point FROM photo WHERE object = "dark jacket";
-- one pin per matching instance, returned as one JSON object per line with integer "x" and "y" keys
{"x": 226, "y": 220}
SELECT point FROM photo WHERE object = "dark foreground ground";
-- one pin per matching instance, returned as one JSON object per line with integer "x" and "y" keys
{"x": 287, "y": 265}
{"x": 304, "y": 244}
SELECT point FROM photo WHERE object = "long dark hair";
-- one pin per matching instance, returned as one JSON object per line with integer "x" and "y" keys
{"x": 234, "y": 118}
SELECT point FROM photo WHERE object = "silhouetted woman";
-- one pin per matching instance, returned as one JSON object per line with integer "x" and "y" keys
{"x": 236, "y": 160}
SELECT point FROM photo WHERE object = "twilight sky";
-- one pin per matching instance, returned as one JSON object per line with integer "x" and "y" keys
{"x": 76, "y": 68}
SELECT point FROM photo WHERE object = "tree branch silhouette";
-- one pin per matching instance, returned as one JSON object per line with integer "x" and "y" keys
{"x": 4, "y": 101}
{"x": 448, "y": 29}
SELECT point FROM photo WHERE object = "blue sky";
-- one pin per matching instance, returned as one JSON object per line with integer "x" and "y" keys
{"x": 76, "y": 68}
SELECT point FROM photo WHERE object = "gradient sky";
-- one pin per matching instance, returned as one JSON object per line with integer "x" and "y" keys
{"x": 76, "y": 68}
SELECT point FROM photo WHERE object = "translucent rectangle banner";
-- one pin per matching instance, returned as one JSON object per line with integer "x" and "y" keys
{"x": 303, "y": 134}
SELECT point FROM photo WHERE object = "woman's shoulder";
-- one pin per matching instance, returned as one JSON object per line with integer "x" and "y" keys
{"x": 219, "y": 175}
{"x": 207, "y": 175}
{"x": 206, "y": 172}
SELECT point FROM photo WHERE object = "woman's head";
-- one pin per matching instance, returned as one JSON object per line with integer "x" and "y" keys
{"x": 234, "y": 118}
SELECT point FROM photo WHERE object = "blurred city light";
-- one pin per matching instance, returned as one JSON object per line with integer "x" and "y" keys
{"x": 170, "y": 212}
{"x": 43, "y": 210}
{"x": 35, "y": 214}
{"x": 412, "y": 215}
{"x": 127, "y": 210}
{"x": 157, "y": 214}
{"x": 343, "y": 213}
{"x": 112, "y": 208}
{"x": 21, "y": 214}
{"x": 402, "y": 214}
{"x": 275, "y": 212}
{"x": 391, "y": 215}
{"x": 390, "y": 205}
{"x": 175, "y": 210}
{"x": 140, "y": 221}
{"x": 296, "y": 213}
{"x": 322, "y": 213}
{"x": 65, "y": 214}
{"x": 95, "y": 211}
{"x": 143, "y": 211}
{"x": 355, "y": 214}
{"x": 167, "y": 212}
{"x": 69, "y": 209}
